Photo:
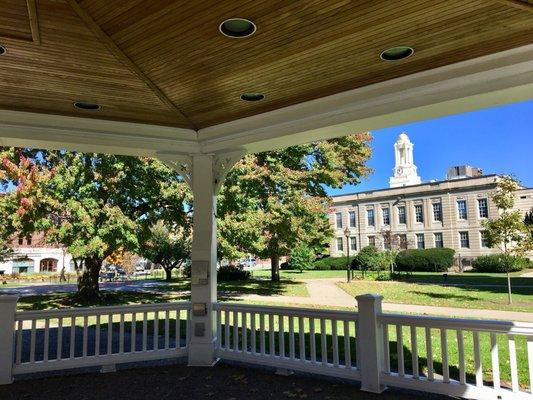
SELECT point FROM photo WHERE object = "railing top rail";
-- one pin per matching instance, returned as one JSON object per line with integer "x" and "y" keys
{"x": 511, "y": 327}
{"x": 88, "y": 311}
{"x": 288, "y": 311}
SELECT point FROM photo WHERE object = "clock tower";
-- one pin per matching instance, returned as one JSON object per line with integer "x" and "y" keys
{"x": 404, "y": 173}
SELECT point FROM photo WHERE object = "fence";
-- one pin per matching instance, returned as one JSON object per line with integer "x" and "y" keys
{"x": 478, "y": 359}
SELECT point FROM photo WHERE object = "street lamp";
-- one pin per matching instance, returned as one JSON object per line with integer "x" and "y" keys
{"x": 348, "y": 267}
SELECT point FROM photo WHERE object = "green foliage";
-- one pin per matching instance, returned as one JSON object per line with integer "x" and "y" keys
{"x": 231, "y": 273}
{"x": 370, "y": 259}
{"x": 429, "y": 260}
{"x": 170, "y": 248}
{"x": 500, "y": 263}
{"x": 331, "y": 263}
{"x": 302, "y": 257}
{"x": 272, "y": 201}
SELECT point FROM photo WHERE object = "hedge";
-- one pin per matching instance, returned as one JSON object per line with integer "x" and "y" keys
{"x": 331, "y": 263}
{"x": 427, "y": 260}
{"x": 500, "y": 263}
{"x": 231, "y": 273}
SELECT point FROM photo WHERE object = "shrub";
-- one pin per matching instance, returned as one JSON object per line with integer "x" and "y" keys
{"x": 231, "y": 273}
{"x": 500, "y": 263}
{"x": 428, "y": 260}
{"x": 302, "y": 257}
{"x": 368, "y": 258}
{"x": 285, "y": 266}
{"x": 331, "y": 263}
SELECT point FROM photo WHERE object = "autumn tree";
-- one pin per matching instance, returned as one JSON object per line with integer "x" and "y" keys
{"x": 274, "y": 200}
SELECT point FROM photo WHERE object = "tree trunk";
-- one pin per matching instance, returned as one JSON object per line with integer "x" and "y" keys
{"x": 274, "y": 262}
{"x": 168, "y": 274}
{"x": 88, "y": 285}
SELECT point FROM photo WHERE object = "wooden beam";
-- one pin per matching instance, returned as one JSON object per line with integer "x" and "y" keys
{"x": 34, "y": 21}
{"x": 124, "y": 59}
{"x": 521, "y": 5}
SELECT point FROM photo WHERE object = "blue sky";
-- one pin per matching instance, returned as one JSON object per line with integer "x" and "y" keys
{"x": 497, "y": 139}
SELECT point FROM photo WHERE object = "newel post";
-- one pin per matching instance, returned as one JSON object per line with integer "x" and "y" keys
{"x": 370, "y": 342}
{"x": 8, "y": 307}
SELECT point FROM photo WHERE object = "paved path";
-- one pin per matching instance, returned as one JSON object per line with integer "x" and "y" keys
{"x": 326, "y": 292}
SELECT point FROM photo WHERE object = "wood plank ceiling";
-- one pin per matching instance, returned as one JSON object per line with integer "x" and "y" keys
{"x": 165, "y": 61}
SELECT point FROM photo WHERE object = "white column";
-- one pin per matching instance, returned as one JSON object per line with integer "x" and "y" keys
{"x": 204, "y": 258}
{"x": 8, "y": 307}
{"x": 370, "y": 342}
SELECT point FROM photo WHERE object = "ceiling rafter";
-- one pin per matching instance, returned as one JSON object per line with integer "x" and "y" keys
{"x": 522, "y": 5}
{"x": 34, "y": 21}
{"x": 124, "y": 59}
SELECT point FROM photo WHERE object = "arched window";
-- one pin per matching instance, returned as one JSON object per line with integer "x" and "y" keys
{"x": 48, "y": 265}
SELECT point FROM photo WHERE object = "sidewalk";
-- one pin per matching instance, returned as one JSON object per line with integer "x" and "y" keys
{"x": 325, "y": 292}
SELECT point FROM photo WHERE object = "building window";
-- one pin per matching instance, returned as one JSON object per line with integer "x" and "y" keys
{"x": 420, "y": 241}
{"x": 401, "y": 215}
{"x": 372, "y": 241}
{"x": 461, "y": 209}
{"x": 28, "y": 240}
{"x": 338, "y": 219}
{"x": 386, "y": 216}
{"x": 387, "y": 243}
{"x": 353, "y": 244}
{"x": 370, "y": 217}
{"x": 48, "y": 265}
{"x": 419, "y": 213}
{"x": 463, "y": 238}
{"x": 339, "y": 244}
{"x": 352, "y": 219}
{"x": 483, "y": 208}
{"x": 21, "y": 240}
{"x": 437, "y": 212}
{"x": 438, "y": 239}
{"x": 403, "y": 242}
{"x": 484, "y": 239}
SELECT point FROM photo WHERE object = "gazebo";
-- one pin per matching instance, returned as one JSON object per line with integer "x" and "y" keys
{"x": 200, "y": 84}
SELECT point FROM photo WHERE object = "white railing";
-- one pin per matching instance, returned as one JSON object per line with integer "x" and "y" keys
{"x": 99, "y": 336}
{"x": 459, "y": 357}
{"x": 319, "y": 341}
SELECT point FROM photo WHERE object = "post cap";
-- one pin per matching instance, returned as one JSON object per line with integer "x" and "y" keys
{"x": 8, "y": 298}
{"x": 369, "y": 297}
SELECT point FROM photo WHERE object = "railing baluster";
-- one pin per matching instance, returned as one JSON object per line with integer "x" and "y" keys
{"x": 59, "y": 354}
{"x": 121, "y": 334}
{"x": 46, "y": 338}
{"x": 226, "y": 330}
{"x": 429, "y": 354}
{"x": 244, "y": 332}
{"x": 178, "y": 329}
{"x": 109, "y": 334}
{"x": 145, "y": 331}
{"x": 262, "y": 334}
{"x": 292, "y": 351}
{"x": 347, "y": 355}
{"x": 323, "y": 342}
{"x": 512, "y": 363}
{"x": 281, "y": 339}
{"x": 461, "y": 355}
{"x": 97, "y": 336}
{"x": 272, "y": 344}
{"x": 444, "y": 349}
{"x": 414, "y": 352}
{"x": 335, "y": 340}
{"x": 312, "y": 339}
{"x": 18, "y": 357}
{"x": 133, "y": 333}
{"x": 530, "y": 361}
{"x": 32, "y": 340}
{"x": 477, "y": 360}
{"x": 235, "y": 331}
{"x": 219, "y": 329}
{"x": 495, "y": 360}
{"x": 85, "y": 334}
{"x": 399, "y": 350}
{"x": 156, "y": 330}
{"x": 72, "y": 336}
{"x": 301, "y": 338}
{"x": 253, "y": 344}
{"x": 167, "y": 329}
{"x": 187, "y": 326}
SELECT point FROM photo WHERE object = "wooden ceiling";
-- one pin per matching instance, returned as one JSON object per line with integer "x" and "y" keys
{"x": 165, "y": 62}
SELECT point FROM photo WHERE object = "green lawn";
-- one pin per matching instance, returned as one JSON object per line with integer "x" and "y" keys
{"x": 491, "y": 298}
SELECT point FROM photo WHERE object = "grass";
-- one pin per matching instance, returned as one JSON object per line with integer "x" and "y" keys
{"x": 480, "y": 297}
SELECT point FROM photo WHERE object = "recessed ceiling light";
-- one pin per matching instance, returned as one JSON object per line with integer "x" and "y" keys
{"x": 237, "y": 28}
{"x": 252, "y": 96}
{"x": 85, "y": 105}
{"x": 3, "y": 50}
{"x": 397, "y": 53}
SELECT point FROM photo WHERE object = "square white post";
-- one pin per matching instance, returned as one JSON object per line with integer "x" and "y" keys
{"x": 8, "y": 307}
{"x": 202, "y": 327}
{"x": 370, "y": 342}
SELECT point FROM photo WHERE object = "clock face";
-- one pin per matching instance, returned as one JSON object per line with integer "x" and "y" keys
{"x": 399, "y": 170}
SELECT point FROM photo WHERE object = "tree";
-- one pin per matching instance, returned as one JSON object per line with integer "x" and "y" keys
{"x": 393, "y": 243}
{"x": 274, "y": 200}
{"x": 508, "y": 231}
{"x": 370, "y": 258}
{"x": 170, "y": 248}
{"x": 302, "y": 257}
{"x": 94, "y": 204}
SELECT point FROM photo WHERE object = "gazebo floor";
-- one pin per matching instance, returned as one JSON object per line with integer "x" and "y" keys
{"x": 177, "y": 381}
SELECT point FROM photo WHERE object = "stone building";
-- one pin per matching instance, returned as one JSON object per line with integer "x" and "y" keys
{"x": 446, "y": 213}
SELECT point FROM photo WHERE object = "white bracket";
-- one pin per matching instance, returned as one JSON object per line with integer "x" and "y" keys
{"x": 181, "y": 163}
{"x": 222, "y": 165}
